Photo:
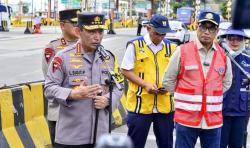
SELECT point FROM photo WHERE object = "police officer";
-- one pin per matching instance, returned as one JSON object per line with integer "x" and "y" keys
{"x": 75, "y": 77}
{"x": 236, "y": 110}
{"x": 144, "y": 64}
{"x": 68, "y": 19}
{"x": 198, "y": 73}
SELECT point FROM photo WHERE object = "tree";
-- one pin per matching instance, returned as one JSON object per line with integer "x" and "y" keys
{"x": 25, "y": 8}
{"x": 176, "y": 5}
{"x": 223, "y": 9}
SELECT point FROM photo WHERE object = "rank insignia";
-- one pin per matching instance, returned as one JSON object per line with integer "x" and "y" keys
{"x": 57, "y": 62}
{"x": 63, "y": 41}
{"x": 78, "y": 49}
{"x": 48, "y": 52}
{"x": 60, "y": 47}
{"x": 75, "y": 66}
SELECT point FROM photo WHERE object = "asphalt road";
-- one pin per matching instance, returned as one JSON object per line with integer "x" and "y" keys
{"x": 21, "y": 54}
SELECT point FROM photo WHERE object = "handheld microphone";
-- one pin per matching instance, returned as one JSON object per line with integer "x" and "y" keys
{"x": 103, "y": 53}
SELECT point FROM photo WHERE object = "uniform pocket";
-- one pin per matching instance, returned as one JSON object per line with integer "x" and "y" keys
{"x": 244, "y": 103}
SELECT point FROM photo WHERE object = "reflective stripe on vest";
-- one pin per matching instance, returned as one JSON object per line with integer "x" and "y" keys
{"x": 138, "y": 95}
{"x": 195, "y": 95}
{"x": 214, "y": 103}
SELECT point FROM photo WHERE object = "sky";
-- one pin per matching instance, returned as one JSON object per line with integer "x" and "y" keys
{"x": 37, "y": 4}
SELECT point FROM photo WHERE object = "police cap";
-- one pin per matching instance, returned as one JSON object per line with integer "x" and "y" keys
{"x": 91, "y": 21}
{"x": 210, "y": 17}
{"x": 69, "y": 14}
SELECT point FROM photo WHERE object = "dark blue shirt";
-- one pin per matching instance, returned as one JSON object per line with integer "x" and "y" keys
{"x": 235, "y": 99}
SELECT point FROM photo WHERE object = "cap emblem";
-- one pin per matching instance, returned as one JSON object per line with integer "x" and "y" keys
{"x": 97, "y": 20}
{"x": 209, "y": 16}
{"x": 78, "y": 12}
{"x": 164, "y": 23}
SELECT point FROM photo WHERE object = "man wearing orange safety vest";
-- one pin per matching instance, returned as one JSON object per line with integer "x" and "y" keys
{"x": 198, "y": 73}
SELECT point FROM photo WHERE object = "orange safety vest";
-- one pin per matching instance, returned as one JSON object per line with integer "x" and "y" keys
{"x": 196, "y": 96}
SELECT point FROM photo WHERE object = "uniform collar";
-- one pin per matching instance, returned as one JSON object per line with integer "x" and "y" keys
{"x": 80, "y": 52}
{"x": 149, "y": 41}
{"x": 200, "y": 46}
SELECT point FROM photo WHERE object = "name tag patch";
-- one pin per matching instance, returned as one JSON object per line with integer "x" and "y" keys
{"x": 191, "y": 67}
{"x": 76, "y": 72}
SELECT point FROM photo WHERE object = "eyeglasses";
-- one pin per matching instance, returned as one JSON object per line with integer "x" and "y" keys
{"x": 204, "y": 28}
{"x": 158, "y": 34}
{"x": 235, "y": 38}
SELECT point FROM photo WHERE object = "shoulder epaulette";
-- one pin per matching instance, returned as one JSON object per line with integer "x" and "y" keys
{"x": 110, "y": 53}
{"x": 69, "y": 48}
{"x": 54, "y": 40}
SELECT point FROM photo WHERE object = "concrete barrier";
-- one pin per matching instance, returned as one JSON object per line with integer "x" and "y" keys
{"x": 23, "y": 122}
{"x": 29, "y": 27}
{"x": 23, "y": 111}
{"x": 4, "y": 26}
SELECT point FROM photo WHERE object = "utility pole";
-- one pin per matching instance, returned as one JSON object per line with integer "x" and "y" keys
{"x": 41, "y": 6}
{"x": 32, "y": 10}
{"x": 197, "y": 9}
{"x": 229, "y": 9}
{"x": 150, "y": 5}
{"x": 84, "y": 5}
{"x": 20, "y": 9}
{"x": 49, "y": 9}
{"x": 130, "y": 9}
{"x": 111, "y": 17}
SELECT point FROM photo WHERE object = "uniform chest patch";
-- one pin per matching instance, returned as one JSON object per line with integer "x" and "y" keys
{"x": 245, "y": 64}
{"x": 60, "y": 47}
{"x": 220, "y": 70}
{"x": 48, "y": 52}
{"x": 76, "y": 72}
{"x": 57, "y": 62}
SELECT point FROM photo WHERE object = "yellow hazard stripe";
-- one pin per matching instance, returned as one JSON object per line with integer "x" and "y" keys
{"x": 7, "y": 119}
{"x": 37, "y": 92}
{"x": 117, "y": 117}
{"x": 123, "y": 102}
{"x": 32, "y": 122}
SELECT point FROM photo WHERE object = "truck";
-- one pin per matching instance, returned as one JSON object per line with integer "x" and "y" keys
{"x": 185, "y": 15}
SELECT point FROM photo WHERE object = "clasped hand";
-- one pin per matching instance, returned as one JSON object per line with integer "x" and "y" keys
{"x": 84, "y": 91}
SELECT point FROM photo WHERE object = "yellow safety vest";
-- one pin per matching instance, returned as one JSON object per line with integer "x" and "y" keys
{"x": 150, "y": 67}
